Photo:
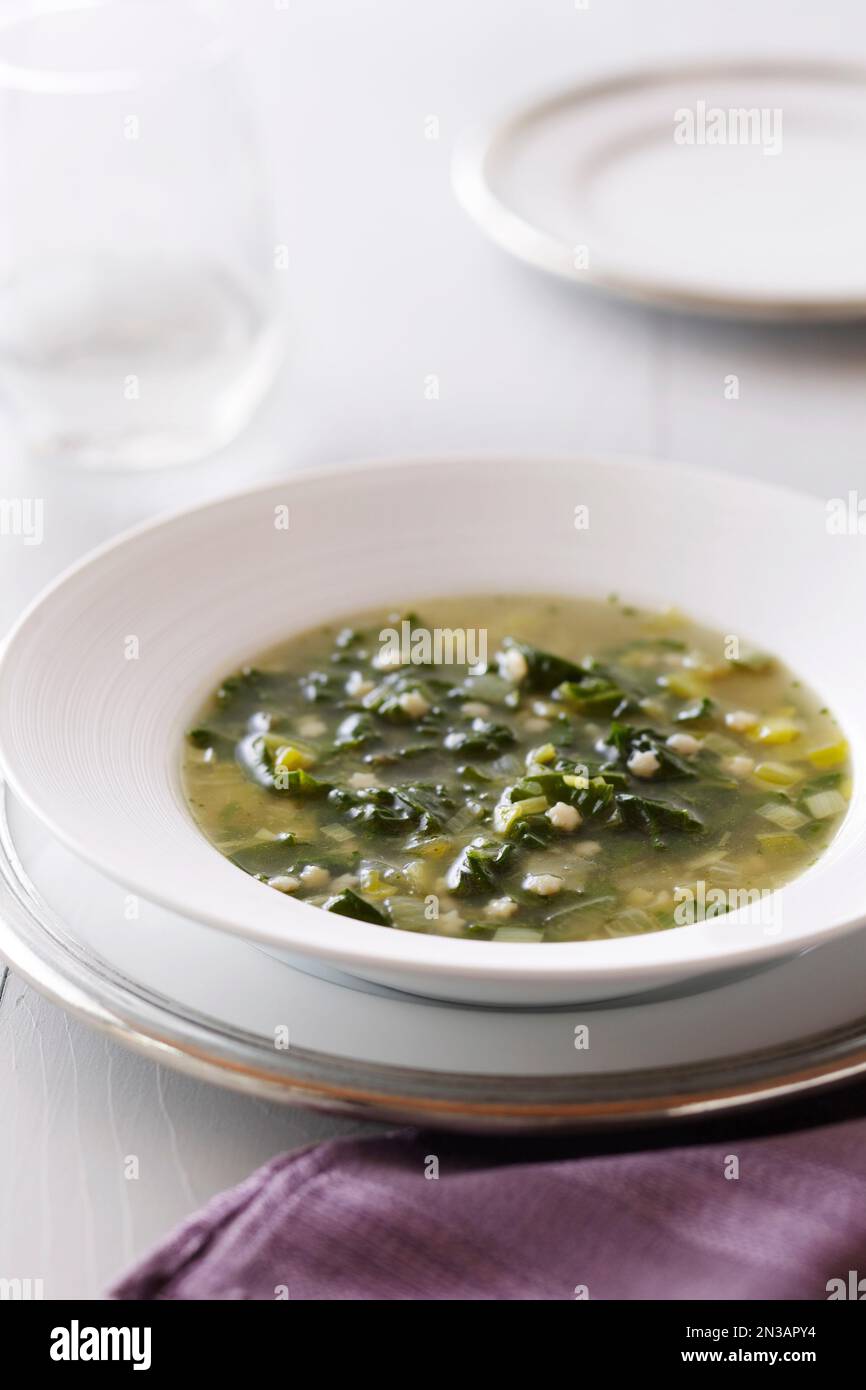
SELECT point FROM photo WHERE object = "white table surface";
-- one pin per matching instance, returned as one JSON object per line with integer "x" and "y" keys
{"x": 389, "y": 283}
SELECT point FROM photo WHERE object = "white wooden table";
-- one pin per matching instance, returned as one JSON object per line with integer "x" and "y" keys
{"x": 389, "y": 284}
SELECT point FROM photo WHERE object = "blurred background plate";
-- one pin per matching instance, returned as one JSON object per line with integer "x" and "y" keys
{"x": 730, "y": 188}
{"x": 222, "y": 1010}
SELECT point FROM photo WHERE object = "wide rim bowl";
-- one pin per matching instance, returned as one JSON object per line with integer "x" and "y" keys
{"x": 103, "y": 673}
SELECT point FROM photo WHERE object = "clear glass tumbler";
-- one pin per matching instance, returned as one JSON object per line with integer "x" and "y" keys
{"x": 139, "y": 319}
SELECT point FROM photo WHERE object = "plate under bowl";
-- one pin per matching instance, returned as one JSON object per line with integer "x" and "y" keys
{"x": 208, "y": 1004}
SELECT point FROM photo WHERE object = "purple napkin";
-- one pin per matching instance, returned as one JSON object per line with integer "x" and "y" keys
{"x": 360, "y": 1219}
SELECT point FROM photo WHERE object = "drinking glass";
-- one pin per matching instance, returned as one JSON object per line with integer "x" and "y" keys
{"x": 139, "y": 321}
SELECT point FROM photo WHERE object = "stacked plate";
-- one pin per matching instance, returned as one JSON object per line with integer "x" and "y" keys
{"x": 113, "y": 903}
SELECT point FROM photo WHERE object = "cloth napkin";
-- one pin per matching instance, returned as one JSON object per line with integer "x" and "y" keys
{"x": 762, "y": 1218}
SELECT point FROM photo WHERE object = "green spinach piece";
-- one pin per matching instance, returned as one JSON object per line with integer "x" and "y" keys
{"x": 594, "y": 695}
{"x": 482, "y": 739}
{"x": 222, "y": 745}
{"x": 627, "y": 740}
{"x": 354, "y": 731}
{"x": 478, "y": 867}
{"x": 699, "y": 709}
{"x": 654, "y": 817}
{"x": 349, "y": 904}
{"x": 266, "y": 857}
{"x": 544, "y": 670}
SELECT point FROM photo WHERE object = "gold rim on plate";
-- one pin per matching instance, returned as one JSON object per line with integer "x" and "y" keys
{"x": 37, "y": 946}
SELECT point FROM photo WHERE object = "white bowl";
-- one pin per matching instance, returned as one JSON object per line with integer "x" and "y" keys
{"x": 92, "y": 740}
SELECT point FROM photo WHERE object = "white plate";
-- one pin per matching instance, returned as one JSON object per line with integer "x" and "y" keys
{"x": 92, "y": 741}
{"x": 212, "y": 1006}
{"x": 592, "y": 184}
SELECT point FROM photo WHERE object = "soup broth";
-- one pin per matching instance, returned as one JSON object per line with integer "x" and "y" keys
{"x": 519, "y": 769}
